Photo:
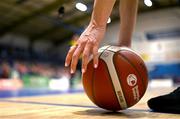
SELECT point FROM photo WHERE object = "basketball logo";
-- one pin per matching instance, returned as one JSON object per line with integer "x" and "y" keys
{"x": 131, "y": 80}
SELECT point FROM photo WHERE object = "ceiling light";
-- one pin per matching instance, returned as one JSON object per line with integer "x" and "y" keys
{"x": 148, "y": 3}
{"x": 81, "y": 7}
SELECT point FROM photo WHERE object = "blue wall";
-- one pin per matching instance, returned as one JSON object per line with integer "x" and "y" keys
{"x": 165, "y": 71}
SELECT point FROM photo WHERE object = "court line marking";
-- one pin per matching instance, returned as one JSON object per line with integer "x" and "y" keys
{"x": 34, "y": 92}
{"x": 50, "y": 104}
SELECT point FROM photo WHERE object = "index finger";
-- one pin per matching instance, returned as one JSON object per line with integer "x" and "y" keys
{"x": 69, "y": 55}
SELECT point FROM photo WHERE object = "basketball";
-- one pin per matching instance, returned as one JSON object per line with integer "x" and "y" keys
{"x": 119, "y": 81}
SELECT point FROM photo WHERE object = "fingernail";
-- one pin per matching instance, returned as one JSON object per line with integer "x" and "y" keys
{"x": 72, "y": 71}
{"x": 66, "y": 64}
{"x": 95, "y": 66}
{"x": 83, "y": 70}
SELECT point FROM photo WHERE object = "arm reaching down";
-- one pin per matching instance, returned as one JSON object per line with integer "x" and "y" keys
{"x": 89, "y": 41}
{"x": 128, "y": 14}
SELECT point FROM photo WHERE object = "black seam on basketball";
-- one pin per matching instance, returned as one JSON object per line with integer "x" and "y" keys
{"x": 93, "y": 92}
{"x": 143, "y": 80}
{"x": 119, "y": 77}
{"x": 111, "y": 78}
{"x": 126, "y": 50}
{"x": 113, "y": 87}
{"x": 134, "y": 68}
{"x": 132, "y": 64}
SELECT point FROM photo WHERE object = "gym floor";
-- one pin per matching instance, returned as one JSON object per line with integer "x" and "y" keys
{"x": 35, "y": 36}
{"x": 72, "y": 105}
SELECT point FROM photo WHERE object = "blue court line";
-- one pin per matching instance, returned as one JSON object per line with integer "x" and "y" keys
{"x": 34, "y": 92}
{"x": 44, "y": 103}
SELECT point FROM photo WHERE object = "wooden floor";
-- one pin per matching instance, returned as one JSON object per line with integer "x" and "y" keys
{"x": 75, "y": 106}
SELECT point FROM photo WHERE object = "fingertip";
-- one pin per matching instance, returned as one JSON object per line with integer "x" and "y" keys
{"x": 66, "y": 64}
{"x": 95, "y": 66}
{"x": 95, "y": 62}
{"x": 83, "y": 70}
{"x": 72, "y": 71}
{"x": 67, "y": 61}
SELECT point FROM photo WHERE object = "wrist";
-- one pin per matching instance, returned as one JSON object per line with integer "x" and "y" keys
{"x": 97, "y": 25}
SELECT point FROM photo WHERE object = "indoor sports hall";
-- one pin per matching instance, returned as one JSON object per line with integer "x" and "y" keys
{"x": 35, "y": 37}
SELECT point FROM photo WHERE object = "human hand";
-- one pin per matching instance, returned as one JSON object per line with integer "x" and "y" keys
{"x": 87, "y": 45}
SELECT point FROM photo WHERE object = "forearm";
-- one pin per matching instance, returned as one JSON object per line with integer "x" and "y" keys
{"x": 101, "y": 11}
{"x": 128, "y": 13}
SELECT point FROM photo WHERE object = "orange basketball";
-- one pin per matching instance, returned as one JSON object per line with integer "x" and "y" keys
{"x": 119, "y": 81}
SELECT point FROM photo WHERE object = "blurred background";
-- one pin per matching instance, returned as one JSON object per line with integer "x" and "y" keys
{"x": 35, "y": 36}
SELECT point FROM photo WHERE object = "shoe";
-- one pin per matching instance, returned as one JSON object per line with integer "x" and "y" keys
{"x": 169, "y": 103}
